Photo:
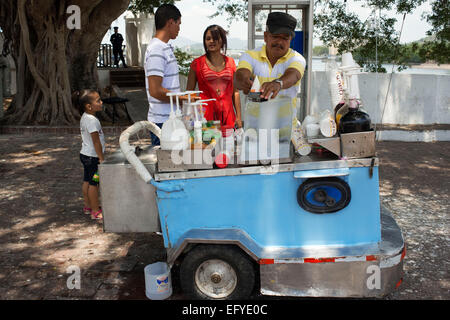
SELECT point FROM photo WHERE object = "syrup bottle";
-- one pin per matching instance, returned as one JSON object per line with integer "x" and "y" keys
{"x": 355, "y": 120}
{"x": 341, "y": 109}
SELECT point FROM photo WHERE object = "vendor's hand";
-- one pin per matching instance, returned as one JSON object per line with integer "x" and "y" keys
{"x": 247, "y": 85}
{"x": 270, "y": 89}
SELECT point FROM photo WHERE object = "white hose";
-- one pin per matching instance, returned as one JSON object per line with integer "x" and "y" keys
{"x": 128, "y": 151}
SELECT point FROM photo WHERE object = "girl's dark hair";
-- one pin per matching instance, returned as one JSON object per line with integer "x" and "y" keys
{"x": 164, "y": 13}
{"x": 81, "y": 98}
{"x": 216, "y": 32}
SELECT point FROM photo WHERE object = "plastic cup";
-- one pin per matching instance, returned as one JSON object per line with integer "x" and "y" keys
{"x": 312, "y": 130}
{"x": 328, "y": 127}
{"x": 309, "y": 119}
{"x": 347, "y": 59}
{"x": 304, "y": 149}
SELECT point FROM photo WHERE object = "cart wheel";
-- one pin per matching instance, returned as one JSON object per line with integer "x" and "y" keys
{"x": 217, "y": 272}
{"x": 323, "y": 195}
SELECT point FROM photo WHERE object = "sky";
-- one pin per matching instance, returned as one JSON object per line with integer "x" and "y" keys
{"x": 195, "y": 19}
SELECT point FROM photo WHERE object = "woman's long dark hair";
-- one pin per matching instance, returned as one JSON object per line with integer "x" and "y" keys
{"x": 217, "y": 33}
{"x": 81, "y": 98}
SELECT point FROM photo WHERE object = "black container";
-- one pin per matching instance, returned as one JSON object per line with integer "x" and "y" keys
{"x": 256, "y": 97}
{"x": 338, "y": 107}
{"x": 354, "y": 121}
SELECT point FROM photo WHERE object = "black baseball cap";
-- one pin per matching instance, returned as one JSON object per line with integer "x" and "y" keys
{"x": 280, "y": 22}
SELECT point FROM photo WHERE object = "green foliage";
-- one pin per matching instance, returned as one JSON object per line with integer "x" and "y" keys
{"x": 335, "y": 25}
{"x": 234, "y": 9}
{"x": 184, "y": 60}
{"x": 439, "y": 48}
{"x": 411, "y": 53}
{"x": 320, "y": 51}
{"x": 147, "y": 6}
{"x": 373, "y": 42}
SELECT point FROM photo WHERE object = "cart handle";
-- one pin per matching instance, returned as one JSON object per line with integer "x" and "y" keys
{"x": 128, "y": 151}
{"x": 130, "y": 155}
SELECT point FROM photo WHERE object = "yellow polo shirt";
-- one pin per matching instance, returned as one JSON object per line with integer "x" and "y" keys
{"x": 257, "y": 62}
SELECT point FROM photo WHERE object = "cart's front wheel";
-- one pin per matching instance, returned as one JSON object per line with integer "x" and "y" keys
{"x": 217, "y": 272}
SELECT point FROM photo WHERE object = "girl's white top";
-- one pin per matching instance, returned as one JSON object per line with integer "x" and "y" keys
{"x": 88, "y": 125}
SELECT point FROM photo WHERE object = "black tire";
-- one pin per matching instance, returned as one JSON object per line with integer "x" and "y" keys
{"x": 218, "y": 256}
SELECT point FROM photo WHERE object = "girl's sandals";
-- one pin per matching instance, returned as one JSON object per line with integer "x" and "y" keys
{"x": 97, "y": 215}
{"x": 87, "y": 210}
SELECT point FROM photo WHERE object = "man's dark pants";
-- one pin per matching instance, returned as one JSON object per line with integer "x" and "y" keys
{"x": 154, "y": 138}
{"x": 118, "y": 53}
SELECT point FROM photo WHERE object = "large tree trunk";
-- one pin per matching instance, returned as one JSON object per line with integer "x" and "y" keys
{"x": 52, "y": 60}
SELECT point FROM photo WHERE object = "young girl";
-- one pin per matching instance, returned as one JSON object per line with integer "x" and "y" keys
{"x": 92, "y": 149}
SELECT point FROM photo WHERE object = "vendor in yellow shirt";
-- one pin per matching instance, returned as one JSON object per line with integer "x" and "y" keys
{"x": 279, "y": 68}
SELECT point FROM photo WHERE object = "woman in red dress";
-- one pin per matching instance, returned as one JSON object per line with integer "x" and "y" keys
{"x": 214, "y": 72}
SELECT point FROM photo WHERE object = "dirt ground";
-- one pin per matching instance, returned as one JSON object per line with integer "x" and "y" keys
{"x": 43, "y": 232}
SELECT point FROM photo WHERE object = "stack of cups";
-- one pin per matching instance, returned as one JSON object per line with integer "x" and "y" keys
{"x": 351, "y": 70}
{"x": 347, "y": 60}
{"x": 298, "y": 139}
{"x": 311, "y": 126}
{"x": 324, "y": 124}
{"x": 312, "y": 130}
{"x": 327, "y": 124}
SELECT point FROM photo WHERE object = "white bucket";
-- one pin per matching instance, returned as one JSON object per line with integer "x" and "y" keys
{"x": 158, "y": 281}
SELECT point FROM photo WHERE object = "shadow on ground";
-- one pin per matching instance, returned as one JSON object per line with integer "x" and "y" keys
{"x": 43, "y": 232}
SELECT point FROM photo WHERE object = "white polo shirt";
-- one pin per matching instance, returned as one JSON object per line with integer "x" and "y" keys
{"x": 160, "y": 61}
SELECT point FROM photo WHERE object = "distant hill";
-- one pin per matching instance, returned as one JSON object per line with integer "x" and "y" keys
{"x": 237, "y": 44}
{"x": 182, "y": 42}
{"x": 190, "y": 45}
{"x": 422, "y": 40}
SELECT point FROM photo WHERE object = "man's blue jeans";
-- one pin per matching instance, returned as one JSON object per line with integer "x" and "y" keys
{"x": 154, "y": 138}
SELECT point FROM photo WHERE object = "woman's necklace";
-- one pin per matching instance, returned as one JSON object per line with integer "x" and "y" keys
{"x": 214, "y": 67}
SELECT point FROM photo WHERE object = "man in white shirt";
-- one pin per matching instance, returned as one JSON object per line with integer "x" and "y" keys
{"x": 161, "y": 67}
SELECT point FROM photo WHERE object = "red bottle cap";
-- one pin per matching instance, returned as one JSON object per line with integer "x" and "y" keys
{"x": 222, "y": 160}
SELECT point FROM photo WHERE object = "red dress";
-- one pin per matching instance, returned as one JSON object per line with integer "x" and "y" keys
{"x": 217, "y": 85}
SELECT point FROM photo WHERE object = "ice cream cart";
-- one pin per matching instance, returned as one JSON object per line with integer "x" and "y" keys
{"x": 230, "y": 228}
{"x": 285, "y": 223}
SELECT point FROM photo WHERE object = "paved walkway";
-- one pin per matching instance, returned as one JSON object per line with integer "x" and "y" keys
{"x": 43, "y": 232}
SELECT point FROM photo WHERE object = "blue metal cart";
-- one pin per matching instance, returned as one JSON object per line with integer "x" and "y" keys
{"x": 313, "y": 227}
